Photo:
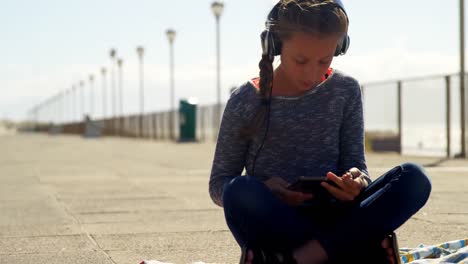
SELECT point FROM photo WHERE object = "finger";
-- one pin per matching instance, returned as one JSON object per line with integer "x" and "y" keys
{"x": 355, "y": 172}
{"x": 307, "y": 196}
{"x": 337, "y": 192}
{"x": 347, "y": 175}
{"x": 293, "y": 197}
{"x": 350, "y": 185}
{"x": 289, "y": 193}
{"x": 337, "y": 180}
{"x": 282, "y": 182}
{"x": 347, "y": 179}
{"x": 292, "y": 193}
{"x": 348, "y": 189}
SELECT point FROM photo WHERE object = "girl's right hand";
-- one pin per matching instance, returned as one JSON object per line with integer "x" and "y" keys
{"x": 280, "y": 188}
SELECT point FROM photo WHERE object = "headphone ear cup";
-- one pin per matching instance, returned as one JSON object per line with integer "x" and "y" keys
{"x": 265, "y": 44}
{"x": 277, "y": 44}
{"x": 271, "y": 44}
{"x": 343, "y": 47}
{"x": 346, "y": 43}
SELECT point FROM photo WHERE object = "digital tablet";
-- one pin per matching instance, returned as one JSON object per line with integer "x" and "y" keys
{"x": 310, "y": 184}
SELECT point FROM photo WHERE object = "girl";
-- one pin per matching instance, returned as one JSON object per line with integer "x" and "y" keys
{"x": 306, "y": 119}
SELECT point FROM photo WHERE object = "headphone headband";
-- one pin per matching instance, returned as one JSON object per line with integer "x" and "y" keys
{"x": 271, "y": 44}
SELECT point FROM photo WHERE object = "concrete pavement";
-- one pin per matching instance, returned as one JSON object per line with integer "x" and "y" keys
{"x": 65, "y": 199}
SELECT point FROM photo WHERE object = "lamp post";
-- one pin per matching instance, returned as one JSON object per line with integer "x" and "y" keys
{"x": 171, "y": 34}
{"x": 69, "y": 108}
{"x": 39, "y": 113}
{"x": 140, "y": 52}
{"x": 104, "y": 94}
{"x": 73, "y": 99}
{"x": 113, "y": 54}
{"x": 63, "y": 107}
{"x": 463, "y": 94}
{"x": 55, "y": 109}
{"x": 217, "y": 8}
{"x": 34, "y": 118}
{"x": 59, "y": 107}
{"x": 91, "y": 95}
{"x": 82, "y": 99}
{"x": 119, "y": 64}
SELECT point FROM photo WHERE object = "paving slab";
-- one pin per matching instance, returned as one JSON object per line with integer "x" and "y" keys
{"x": 65, "y": 199}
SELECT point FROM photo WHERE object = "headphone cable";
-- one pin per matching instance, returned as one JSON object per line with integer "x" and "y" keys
{"x": 266, "y": 130}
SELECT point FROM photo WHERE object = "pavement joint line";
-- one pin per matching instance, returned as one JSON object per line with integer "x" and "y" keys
{"x": 428, "y": 221}
{"x": 441, "y": 168}
{"x": 172, "y": 232}
{"x": 146, "y": 211}
{"x": 42, "y": 236}
{"x": 78, "y": 222}
{"x": 40, "y": 253}
{"x": 119, "y": 198}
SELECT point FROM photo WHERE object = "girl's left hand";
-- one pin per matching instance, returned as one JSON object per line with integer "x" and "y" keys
{"x": 348, "y": 188}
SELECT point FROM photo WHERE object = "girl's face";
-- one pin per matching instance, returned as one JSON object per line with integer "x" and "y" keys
{"x": 305, "y": 58}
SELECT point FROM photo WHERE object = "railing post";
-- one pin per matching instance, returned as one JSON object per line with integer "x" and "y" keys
{"x": 462, "y": 116}
{"x": 202, "y": 123}
{"x": 399, "y": 105}
{"x": 155, "y": 126}
{"x": 448, "y": 113}
{"x": 214, "y": 122}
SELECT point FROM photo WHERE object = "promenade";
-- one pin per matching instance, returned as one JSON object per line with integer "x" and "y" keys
{"x": 65, "y": 199}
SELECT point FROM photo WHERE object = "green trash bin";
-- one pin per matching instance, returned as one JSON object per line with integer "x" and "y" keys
{"x": 188, "y": 120}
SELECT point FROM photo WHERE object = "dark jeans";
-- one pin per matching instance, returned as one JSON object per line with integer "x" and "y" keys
{"x": 257, "y": 218}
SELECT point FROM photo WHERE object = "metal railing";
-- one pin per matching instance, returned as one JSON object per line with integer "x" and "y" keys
{"x": 419, "y": 116}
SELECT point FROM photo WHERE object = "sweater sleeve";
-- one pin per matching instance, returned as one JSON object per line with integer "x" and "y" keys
{"x": 230, "y": 152}
{"x": 352, "y": 151}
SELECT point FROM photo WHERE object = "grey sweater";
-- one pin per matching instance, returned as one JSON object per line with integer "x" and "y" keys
{"x": 309, "y": 135}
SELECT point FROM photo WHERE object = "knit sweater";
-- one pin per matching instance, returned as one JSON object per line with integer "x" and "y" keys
{"x": 309, "y": 135}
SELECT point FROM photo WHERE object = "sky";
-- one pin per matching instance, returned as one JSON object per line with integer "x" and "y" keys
{"x": 48, "y": 46}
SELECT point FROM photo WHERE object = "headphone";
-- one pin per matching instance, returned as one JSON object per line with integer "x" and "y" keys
{"x": 271, "y": 43}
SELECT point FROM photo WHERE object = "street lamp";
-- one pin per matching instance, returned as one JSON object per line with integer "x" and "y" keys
{"x": 74, "y": 96}
{"x": 64, "y": 106}
{"x": 55, "y": 109}
{"x": 91, "y": 95}
{"x": 463, "y": 93}
{"x": 141, "y": 51}
{"x": 58, "y": 106}
{"x": 113, "y": 54}
{"x": 217, "y": 8}
{"x": 68, "y": 105}
{"x": 104, "y": 95}
{"x": 119, "y": 64}
{"x": 82, "y": 99}
{"x": 171, "y": 34}
{"x": 62, "y": 96}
